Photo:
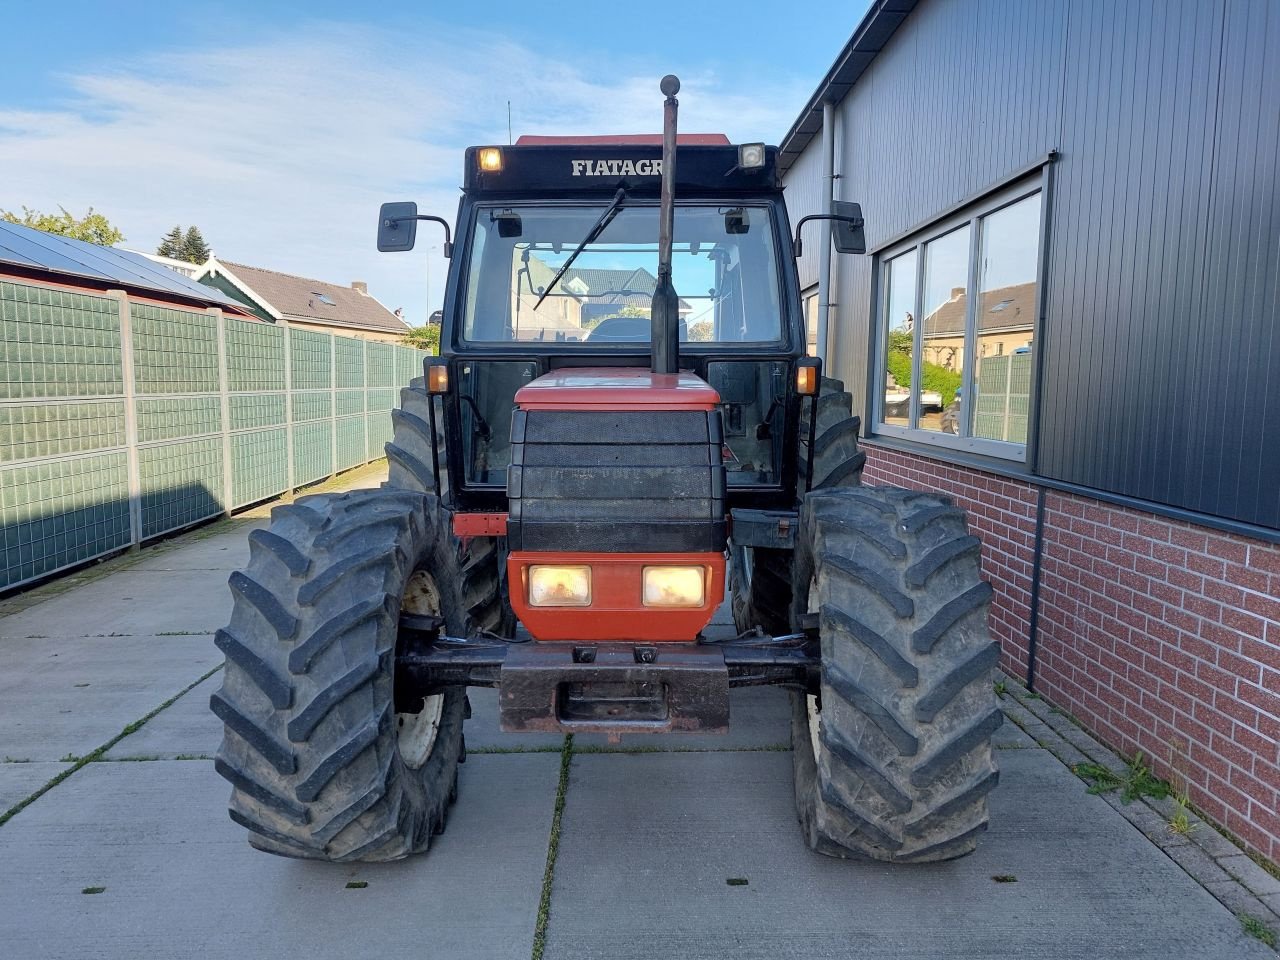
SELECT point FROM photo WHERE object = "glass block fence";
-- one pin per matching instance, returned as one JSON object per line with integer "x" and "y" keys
{"x": 122, "y": 420}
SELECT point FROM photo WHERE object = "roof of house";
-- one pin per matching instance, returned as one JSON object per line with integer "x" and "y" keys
{"x": 284, "y": 295}
{"x": 869, "y": 38}
{"x": 1001, "y": 308}
{"x": 33, "y": 249}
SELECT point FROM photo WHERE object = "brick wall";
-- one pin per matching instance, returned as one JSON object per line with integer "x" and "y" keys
{"x": 1157, "y": 635}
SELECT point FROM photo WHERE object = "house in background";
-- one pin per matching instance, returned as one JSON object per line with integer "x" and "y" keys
{"x": 304, "y": 303}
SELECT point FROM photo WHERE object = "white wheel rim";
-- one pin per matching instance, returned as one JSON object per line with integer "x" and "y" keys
{"x": 812, "y": 711}
{"x": 416, "y": 732}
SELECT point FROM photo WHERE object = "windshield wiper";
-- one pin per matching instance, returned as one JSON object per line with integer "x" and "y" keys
{"x": 605, "y": 219}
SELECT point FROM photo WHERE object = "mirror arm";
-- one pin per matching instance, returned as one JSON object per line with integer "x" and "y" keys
{"x": 391, "y": 222}
{"x": 799, "y": 248}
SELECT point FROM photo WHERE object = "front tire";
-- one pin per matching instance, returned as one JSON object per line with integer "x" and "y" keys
{"x": 893, "y": 758}
{"x": 323, "y": 762}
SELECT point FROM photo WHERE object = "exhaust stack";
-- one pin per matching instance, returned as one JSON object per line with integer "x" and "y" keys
{"x": 664, "y": 310}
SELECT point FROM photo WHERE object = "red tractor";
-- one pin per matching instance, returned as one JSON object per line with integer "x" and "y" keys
{"x": 622, "y": 428}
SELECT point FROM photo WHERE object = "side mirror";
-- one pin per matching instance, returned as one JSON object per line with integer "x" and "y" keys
{"x": 397, "y": 227}
{"x": 846, "y": 232}
{"x": 735, "y": 221}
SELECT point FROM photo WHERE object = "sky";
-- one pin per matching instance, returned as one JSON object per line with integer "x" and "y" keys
{"x": 278, "y": 128}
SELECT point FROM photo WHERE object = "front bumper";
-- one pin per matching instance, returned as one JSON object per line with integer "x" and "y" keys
{"x": 608, "y": 688}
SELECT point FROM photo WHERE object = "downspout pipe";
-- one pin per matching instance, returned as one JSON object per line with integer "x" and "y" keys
{"x": 824, "y": 258}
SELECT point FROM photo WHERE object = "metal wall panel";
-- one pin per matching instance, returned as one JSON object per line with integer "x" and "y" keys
{"x": 1161, "y": 366}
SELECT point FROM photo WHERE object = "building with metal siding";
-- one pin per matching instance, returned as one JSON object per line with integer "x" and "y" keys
{"x": 1119, "y": 451}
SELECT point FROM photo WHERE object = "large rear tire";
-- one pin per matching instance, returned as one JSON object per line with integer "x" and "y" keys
{"x": 893, "y": 759}
{"x": 760, "y": 578}
{"x": 323, "y": 762}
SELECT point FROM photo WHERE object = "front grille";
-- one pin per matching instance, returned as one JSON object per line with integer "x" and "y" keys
{"x": 616, "y": 481}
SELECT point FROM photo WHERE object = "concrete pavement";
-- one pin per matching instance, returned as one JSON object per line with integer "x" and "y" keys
{"x": 649, "y": 841}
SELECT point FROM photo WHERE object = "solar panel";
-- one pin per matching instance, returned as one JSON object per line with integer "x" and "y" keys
{"x": 26, "y": 247}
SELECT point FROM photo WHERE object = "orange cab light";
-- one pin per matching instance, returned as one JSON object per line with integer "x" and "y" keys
{"x": 490, "y": 159}
{"x": 806, "y": 381}
{"x": 437, "y": 378}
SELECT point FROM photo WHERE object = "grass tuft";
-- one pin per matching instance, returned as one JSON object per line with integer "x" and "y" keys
{"x": 1257, "y": 929}
{"x": 92, "y": 890}
{"x": 736, "y": 881}
{"x": 357, "y": 884}
{"x": 1136, "y": 781}
{"x": 553, "y": 850}
{"x": 1004, "y": 878}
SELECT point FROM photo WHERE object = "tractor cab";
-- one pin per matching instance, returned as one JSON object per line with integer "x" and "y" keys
{"x": 556, "y": 266}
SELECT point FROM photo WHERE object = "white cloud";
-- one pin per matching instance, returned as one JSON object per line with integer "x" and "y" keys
{"x": 282, "y": 150}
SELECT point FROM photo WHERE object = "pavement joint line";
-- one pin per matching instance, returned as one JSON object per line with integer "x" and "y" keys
{"x": 95, "y": 755}
{"x": 553, "y": 850}
{"x": 1204, "y": 866}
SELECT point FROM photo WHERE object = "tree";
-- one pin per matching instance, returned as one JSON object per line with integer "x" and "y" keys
{"x": 171, "y": 245}
{"x": 424, "y": 338}
{"x": 194, "y": 249}
{"x": 92, "y": 227}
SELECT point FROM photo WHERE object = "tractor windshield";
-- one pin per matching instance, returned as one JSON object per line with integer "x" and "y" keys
{"x": 723, "y": 262}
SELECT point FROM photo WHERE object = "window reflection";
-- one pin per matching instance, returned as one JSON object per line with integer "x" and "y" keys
{"x": 1005, "y": 322}
{"x": 946, "y": 277}
{"x": 900, "y": 305}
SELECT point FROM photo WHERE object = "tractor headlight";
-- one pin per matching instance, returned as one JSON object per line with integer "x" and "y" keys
{"x": 751, "y": 156}
{"x": 489, "y": 159}
{"x": 674, "y": 586}
{"x": 559, "y": 586}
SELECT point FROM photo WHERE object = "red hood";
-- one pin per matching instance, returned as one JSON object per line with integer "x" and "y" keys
{"x": 616, "y": 388}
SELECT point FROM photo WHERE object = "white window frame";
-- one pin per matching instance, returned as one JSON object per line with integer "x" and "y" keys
{"x": 971, "y": 215}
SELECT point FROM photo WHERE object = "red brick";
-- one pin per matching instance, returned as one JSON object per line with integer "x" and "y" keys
{"x": 1266, "y": 607}
{"x": 1234, "y": 753}
{"x": 1221, "y": 637}
{"x": 1244, "y": 623}
{"x": 1264, "y": 557}
{"x": 1202, "y": 607}
{"x": 1188, "y": 538}
{"x": 1264, "y": 700}
{"x": 1153, "y": 529}
{"x": 1224, "y": 593}
{"x": 1209, "y": 566}
{"x": 1235, "y": 664}
{"x": 1233, "y": 550}
{"x": 1266, "y": 654}
{"x": 1242, "y": 576}
{"x": 1170, "y": 554}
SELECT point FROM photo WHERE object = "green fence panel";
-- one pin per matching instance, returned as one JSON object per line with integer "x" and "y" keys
{"x": 377, "y": 434}
{"x": 310, "y": 360}
{"x": 349, "y": 403}
{"x": 380, "y": 365}
{"x": 351, "y": 442}
{"x": 349, "y": 361}
{"x": 55, "y": 343}
{"x": 174, "y": 351}
{"x": 59, "y": 428}
{"x": 255, "y": 355}
{"x": 252, "y": 410}
{"x": 259, "y": 468}
{"x": 181, "y": 484}
{"x": 312, "y": 451}
{"x": 65, "y": 463}
{"x": 312, "y": 405}
{"x": 57, "y": 513}
{"x": 172, "y": 418}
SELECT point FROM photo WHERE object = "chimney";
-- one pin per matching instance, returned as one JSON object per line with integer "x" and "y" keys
{"x": 359, "y": 286}
{"x": 956, "y": 292}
